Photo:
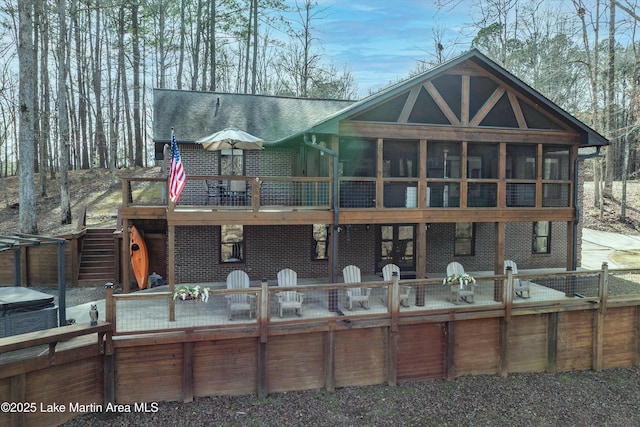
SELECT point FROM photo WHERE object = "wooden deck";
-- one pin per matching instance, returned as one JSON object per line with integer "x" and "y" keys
{"x": 145, "y": 315}
{"x": 202, "y": 353}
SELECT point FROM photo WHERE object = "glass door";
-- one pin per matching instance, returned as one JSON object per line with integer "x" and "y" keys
{"x": 395, "y": 245}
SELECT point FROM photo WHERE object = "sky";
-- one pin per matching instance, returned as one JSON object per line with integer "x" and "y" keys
{"x": 379, "y": 41}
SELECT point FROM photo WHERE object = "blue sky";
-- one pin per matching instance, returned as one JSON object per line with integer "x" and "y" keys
{"x": 379, "y": 41}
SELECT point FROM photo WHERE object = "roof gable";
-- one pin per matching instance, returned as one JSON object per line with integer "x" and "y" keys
{"x": 470, "y": 91}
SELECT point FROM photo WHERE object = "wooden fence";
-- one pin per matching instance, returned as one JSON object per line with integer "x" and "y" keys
{"x": 599, "y": 330}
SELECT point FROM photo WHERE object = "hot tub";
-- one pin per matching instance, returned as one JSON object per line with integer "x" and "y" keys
{"x": 24, "y": 310}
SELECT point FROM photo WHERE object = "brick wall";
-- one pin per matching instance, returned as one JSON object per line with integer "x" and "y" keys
{"x": 271, "y": 248}
{"x": 197, "y": 161}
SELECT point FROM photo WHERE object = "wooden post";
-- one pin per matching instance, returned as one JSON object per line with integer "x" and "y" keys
{"x": 330, "y": 345}
{"x": 395, "y": 301}
{"x": 109, "y": 379}
{"x": 379, "y": 176}
{"x": 187, "y": 372}
{"x": 263, "y": 325}
{"x": 18, "y": 387}
{"x": 108, "y": 363}
{"x": 598, "y": 327}
{"x": 450, "y": 331}
{"x": 503, "y": 347}
{"x": 171, "y": 268}
{"x": 110, "y": 315}
{"x": 125, "y": 256}
{"x": 392, "y": 358}
{"x": 392, "y": 336}
{"x": 507, "y": 295}
{"x": 263, "y": 307}
{"x": 75, "y": 264}
{"x": 498, "y": 264}
{"x": 552, "y": 343}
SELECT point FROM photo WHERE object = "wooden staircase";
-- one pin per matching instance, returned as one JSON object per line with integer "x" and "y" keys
{"x": 97, "y": 263}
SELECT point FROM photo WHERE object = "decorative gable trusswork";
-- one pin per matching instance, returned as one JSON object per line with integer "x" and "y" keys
{"x": 464, "y": 97}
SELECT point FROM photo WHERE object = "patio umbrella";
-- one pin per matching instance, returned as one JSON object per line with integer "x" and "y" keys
{"x": 230, "y": 138}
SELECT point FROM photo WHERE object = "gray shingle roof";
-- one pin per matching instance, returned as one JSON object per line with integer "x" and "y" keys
{"x": 196, "y": 114}
{"x": 281, "y": 119}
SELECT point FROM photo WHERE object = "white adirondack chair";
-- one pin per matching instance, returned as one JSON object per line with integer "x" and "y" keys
{"x": 289, "y": 299}
{"x": 238, "y": 279}
{"x": 405, "y": 291}
{"x": 351, "y": 274}
{"x": 463, "y": 291}
{"x": 519, "y": 286}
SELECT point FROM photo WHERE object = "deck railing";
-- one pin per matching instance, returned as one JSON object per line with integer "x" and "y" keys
{"x": 271, "y": 192}
{"x": 150, "y": 312}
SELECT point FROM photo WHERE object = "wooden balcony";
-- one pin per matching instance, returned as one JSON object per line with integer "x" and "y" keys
{"x": 252, "y": 200}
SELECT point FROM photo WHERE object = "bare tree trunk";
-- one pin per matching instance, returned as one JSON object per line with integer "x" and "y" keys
{"x": 126, "y": 110}
{"x": 196, "y": 47}
{"x": 137, "y": 122}
{"x": 46, "y": 161}
{"x": 63, "y": 123}
{"x": 610, "y": 156}
{"x": 82, "y": 146}
{"x": 254, "y": 71}
{"x": 36, "y": 105}
{"x": 625, "y": 168}
{"x": 596, "y": 182}
{"x": 183, "y": 36}
{"x": 162, "y": 80}
{"x": 28, "y": 216}
{"x": 212, "y": 47}
{"x": 100, "y": 137}
{"x": 248, "y": 48}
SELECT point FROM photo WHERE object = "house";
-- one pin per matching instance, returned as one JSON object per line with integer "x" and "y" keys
{"x": 464, "y": 162}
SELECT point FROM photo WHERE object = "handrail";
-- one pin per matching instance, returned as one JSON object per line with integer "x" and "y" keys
{"x": 51, "y": 336}
{"x": 82, "y": 219}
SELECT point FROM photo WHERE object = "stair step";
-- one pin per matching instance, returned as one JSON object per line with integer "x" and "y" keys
{"x": 95, "y": 277}
{"x": 97, "y": 263}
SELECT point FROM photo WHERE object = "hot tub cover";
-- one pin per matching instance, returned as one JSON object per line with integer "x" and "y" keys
{"x": 16, "y": 299}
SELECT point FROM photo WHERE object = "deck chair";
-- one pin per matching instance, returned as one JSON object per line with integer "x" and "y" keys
{"x": 519, "y": 286}
{"x": 405, "y": 291}
{"x": 351, "y": 274}
{"x": 238, "y": 279}
{"x": 463, "y": 291}
{"x": 214, "y": 191}
{"x": 289, "y": 299}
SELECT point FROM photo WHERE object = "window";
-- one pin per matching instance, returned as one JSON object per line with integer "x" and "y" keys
{"x": 464, "y": 239}
{"x": 541, "y": 237}
{"x": 320, "y": 250}
{"x": 231, "y": 243}
{"x": 232, "y": 162}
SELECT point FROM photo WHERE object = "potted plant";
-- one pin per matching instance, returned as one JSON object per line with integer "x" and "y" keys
{"x": 188, "y": 292}
{"x": 459, "y": 280}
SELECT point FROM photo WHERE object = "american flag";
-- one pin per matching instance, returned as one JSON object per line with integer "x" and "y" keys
{"x": 177, "y": 178}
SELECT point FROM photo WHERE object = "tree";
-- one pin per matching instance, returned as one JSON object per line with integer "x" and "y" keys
{"x": 28, "y": 219}
{"x": 63, "y": 120}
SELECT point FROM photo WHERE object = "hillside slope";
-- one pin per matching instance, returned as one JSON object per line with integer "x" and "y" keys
{"x": 90, "y": 188}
